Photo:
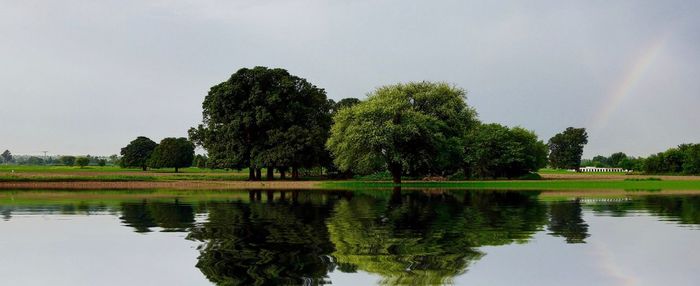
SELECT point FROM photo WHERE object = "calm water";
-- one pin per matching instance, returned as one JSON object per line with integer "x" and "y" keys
{"x": 346, "y": 238}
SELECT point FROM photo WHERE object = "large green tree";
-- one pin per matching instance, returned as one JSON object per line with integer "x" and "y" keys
{"x": 415, "y": 128}
{"x": 137, "y": 153}
{"x": 494, "y": 150}
{"x": 566, "y": 148}
{"x": 263, "y": 117}
{"x": 172, "y": 153}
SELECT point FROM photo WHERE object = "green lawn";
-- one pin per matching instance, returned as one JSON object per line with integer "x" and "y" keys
{"x": 528, "y": 185}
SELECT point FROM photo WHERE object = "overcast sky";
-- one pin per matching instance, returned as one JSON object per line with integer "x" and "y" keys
{"x": 86, "y": 77}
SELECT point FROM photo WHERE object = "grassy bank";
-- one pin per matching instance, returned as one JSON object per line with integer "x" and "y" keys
{"x": 527, "y": 185}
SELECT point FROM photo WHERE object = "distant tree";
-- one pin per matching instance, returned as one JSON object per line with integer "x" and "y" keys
{"x": 600, "y": 161}
{"x": 566, "y": 148}
{"x": 200, "y": 161}
{"x": 691, "y": 163}
{"x": 34, "y": 161}
{"x": 137, "y": 153}
{"x": 493, "y": 150}
{"x": 616, "y": 158}
{"x": 68, "y": 160}
{"x": 82, "y": 161}
{"x": 7, "y": 157}
{"x": 172, "y": 153}
{"x": 344, "y": 103}
{"x": 101, "y": 162}
{"x": 263, "y": 117}
{"x": 412, "y": 128}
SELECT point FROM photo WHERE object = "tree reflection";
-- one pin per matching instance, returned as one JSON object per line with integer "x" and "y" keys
{"x": 171, "y": 216}
{"x": 428, "y": 237}
{"x": 265, "y": 243}
{"x": 566, "y": 220}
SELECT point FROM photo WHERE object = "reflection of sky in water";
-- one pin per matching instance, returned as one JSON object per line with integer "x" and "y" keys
{"x": 48, "y": 248}
{"x": 634, "y": 250}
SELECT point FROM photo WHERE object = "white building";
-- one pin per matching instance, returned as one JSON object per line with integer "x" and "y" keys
{"x": 602, "y": 170}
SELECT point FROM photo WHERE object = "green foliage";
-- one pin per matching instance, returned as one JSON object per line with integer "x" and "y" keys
{"x": 415, "y": 128}
{"x": 684, "y": 159}
{"x": 6, "y": 157}
{"x": 172, "y": 153}
{"x": 200, "y": 161}
{"x": 137, "y": 153}
{"x": 493, "y": 150}
{"x": 264, "y": 117}
{"x": 68, "y": 160}
{"x": 566, "y": 148}
{"x": 82, "y": 161}
{"x": 101, "y": 162}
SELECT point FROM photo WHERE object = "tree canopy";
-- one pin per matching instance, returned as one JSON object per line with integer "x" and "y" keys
{"x": 6, "y": 157}
{"x": 566, "y": 148}
{"x": 137, "y": 153}
{"x": 493, "y": 150}
{"x": 263, "y": 117}
{"x": 415, "y": 128}
{"x": 82, "y": 161}
{"x": 172, "y": 153}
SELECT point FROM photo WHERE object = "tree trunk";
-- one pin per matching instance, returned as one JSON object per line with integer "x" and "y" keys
{"x": 251, "y": 173}
{"x": 295, "y": 173}
{"x": 175, "y": 169}
{"x": 283, "y": 173}
{"x": 258, "y": 174}
{"x": 395, "y": 170}
{"x": 270, "y": 173}
{"x": 144, "y": 168}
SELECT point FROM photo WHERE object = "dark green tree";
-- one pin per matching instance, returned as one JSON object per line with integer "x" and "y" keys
{"x": 7, "y": 157}
{"x": 566, "y": 148}
{"x": 200, "y": 161}
{"x": 137, "y": 153}
{"x": 101, "y": 162}
{"x": 263, "y": 117}
{"x": 416, "y": 128}
{"x": 68, "y": 160}
{"x": 172, "y": 153}
{"x": 493, "y": 150}
{"x": 82, "y": 161}
{"x": 616, "y": 159}
{"x": 566, "y": 220}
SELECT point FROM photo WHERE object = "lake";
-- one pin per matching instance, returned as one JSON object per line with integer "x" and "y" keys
{"x": 363, "y": 237}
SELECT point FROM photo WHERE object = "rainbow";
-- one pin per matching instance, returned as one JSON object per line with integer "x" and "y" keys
{"x": 632, "y": 77}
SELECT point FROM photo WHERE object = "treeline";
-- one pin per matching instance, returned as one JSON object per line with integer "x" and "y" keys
{"x": 263, "y": 118}
{"x": 26, "y": 160}
{"x": 684, "y": 159}
{"x": 143, "y": 153}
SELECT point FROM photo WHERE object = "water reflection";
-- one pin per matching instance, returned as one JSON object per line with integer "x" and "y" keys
{"x": 406, "y": 237}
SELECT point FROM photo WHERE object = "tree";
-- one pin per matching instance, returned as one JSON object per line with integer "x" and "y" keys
{"x": 137, "y": 153}
{"x": 7, "y": 157}
{"x": 263, "y": 117}
{"x": 68, "y": 160}
{"x": 82, "y": 161}
{"x": 414, "y": 128}
{"x": 345, "y": 103}
{"x": 200, "y": 161}
{"x": 566, "y": 148}
{"x": 493, "y": 150}
{"x": 172, "y": 153}
{"x": 616, "y": 158}
{"x": 101, "y": 162}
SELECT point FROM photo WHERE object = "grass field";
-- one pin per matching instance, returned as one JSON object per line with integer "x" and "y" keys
{"x": 529, "y": 185}
{"x": 553, "y": 180}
